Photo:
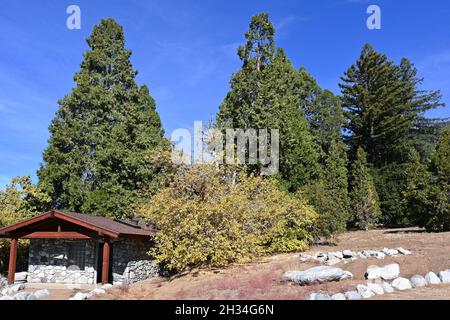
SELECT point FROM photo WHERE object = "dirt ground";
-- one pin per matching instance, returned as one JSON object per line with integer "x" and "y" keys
{"x": 262, "y": 279}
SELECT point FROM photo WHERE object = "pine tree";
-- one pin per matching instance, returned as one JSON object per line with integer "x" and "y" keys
{"x": 385, "y": 108}
{"x": 439, "y": 198}
{"x": 95, "y": 161}
{"x": 330, "y": 196}
{"x": 363, "y": 195}
{"x": 265, "y": 94}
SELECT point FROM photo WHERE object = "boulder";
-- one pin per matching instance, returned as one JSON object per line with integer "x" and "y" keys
{"x": 370, "y": 253}
{"x": 445, "y": 276}
{"x": 387, "y": 288}
{"x": 401, "y": 284}
{"x": 41, "y": 294}
{"x": 338, "y": 296}
{"x": 364, "y": 291}
{"x": 388, "y": 272}
{"x": 361, "y": 255}
{"x": 80, "y": 296}
{"x": 21, "y": 276}
{"x": 32, "y": 297}
{"x": 321, "y": 296}
{"x": 353, "y": 295}
{"x": 418, "y": 281}
{"x": 431, "y": 278}
{"x": 312, "y": 296}
{"x": 107, "y": 286}
{"x": 22, "y": 296}
{"x": 346, "y": 254}
{"x": 317, "y": 275}
{"x": 12, "y": 289}
{"x": 375, "y": 288}
{"x": 390, "y": 252}
{"x": 6, "y": 298}
{"x": 335, "y": 255}
{"x": 96, "y": 292}
{"x": 404, "y": 251}
{"x": 381, "y": 255}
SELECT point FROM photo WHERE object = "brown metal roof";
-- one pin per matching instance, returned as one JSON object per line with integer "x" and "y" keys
{"x": 112, "y": 228}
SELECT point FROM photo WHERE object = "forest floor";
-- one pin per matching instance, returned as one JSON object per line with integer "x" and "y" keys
{"x": 262, "y": 279}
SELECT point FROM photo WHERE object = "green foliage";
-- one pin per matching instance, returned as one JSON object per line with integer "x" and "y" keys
{"x": 428, "y": 192}
{"x": 384, "y": 109}
{"x": 363, "y": 195}
{"x": 95, "y": 161}
{"x": 211, "y": 216}
{"x": 20, "y": 200}
{"x": 266, "y": 93}
{"x": 326, "y": 120}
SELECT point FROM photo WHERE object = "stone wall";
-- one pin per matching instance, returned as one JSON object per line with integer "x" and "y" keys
{"x": 48, "y": 262}
{"x": 131, "y": 262}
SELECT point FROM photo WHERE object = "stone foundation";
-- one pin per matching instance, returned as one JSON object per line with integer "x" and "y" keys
{"x": 131, "y": 262}
{"x": 48, "y": 262}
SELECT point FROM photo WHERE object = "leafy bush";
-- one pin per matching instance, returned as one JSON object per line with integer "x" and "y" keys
{"x": 211, "y": 216}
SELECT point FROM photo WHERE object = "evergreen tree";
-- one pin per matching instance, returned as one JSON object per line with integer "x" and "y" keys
{"x": 439, "y": 198}
{"x": 385, "y": 108}
{"x": 363, "y": 195}
{"x": 95, "y": 161}
{"x": 265, "y": 94}
{"x": 330, "y": 196}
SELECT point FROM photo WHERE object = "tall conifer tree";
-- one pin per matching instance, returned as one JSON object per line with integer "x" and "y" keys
{"x": 95, "y": 161}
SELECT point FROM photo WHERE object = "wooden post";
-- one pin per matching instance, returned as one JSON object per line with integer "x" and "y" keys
{"x": 105, "y": 264}
{"x": 12, "y": 261}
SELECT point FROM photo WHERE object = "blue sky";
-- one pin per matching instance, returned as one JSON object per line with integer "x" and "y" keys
{"x": 185, "y": 51}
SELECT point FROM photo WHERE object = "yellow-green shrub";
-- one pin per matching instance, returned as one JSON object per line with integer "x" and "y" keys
{"x": 215, "y": 216}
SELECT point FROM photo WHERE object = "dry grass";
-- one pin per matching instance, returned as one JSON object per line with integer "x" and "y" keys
{"x": 262, "y": 279}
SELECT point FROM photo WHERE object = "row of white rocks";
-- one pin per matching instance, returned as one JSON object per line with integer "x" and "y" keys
{"x": 90, "y": 294}
{"x": 332, "y": 258}
{"x": 380, "y": 286}
{"x": 15, "y": 292}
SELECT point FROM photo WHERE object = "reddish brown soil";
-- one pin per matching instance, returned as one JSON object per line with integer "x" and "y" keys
{"x": 261, "y": 279}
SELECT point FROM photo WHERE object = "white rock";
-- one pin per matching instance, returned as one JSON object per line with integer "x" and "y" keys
{"x": 321, "y": 296}
{"x": 79, "y": 296}
{"x": 41, "y": 294}
{"x": 401, "y": 284}
{"x": 346, "y": 254}
{"x": 96, "y": 292}
{"x": 381, "y": 255}
{"x": 364, "y": 291}
{"x": 375, "y": 288}
{"x": 390, "y": 252}
{"x": 353, "y": 295}
{"x": 387, "y": 288}
{"x": 32, "y": 297}
{"x": 373, "y": 273}
{"x": 388, "y": 272}
{"x": 336, "y": 254}
{"x": 6, "y": 298}
{"x": 418, "y": 281}
{"x": 22, "y": 296}
{"x": 20, "y": 276}
{"x": 445, "y": 276}
{"x": 107, "y": 286}
{"x": 12, "y": 289}
{"x": 312, "y": 296}
{"x": 404, "y": 251}
{"x": 370, "y": 253}
{"x": 338, "y": 296}
{"x": 431, "y": 278}
{"x": 317, "y": 275}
